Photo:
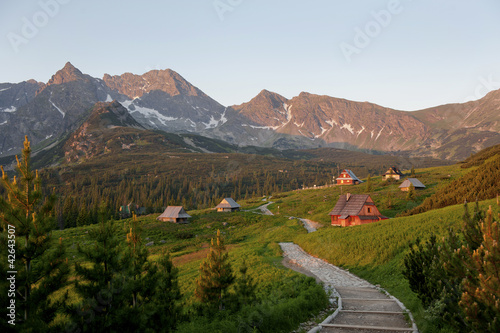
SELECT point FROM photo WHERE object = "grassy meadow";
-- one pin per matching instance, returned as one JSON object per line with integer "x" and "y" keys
{"x": 315, "y": 204}
{"x": 374, "y": 251}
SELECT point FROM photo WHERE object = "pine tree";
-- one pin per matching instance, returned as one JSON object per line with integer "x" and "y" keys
{"x": 167, "y": 310}
{"x": 40, "y": 263}
{"x": 472, "y": 226}
{"x": 410, "y": 195}
{"x": 137, "y": 256}
{"x": 152, "y": 288}
{"x": 369, "y": 186}
{"x": 390, "y": 195}
{"x": 481, "y": 298}
{"x": 100, "y": 283}
{"x": 245, "y": 286}
{"x": 215, "y": 275}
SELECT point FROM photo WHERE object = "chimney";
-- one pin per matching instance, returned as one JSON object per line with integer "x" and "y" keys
{"x": 348, "y": 196}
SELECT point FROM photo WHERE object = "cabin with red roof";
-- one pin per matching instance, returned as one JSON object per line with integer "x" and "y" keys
{"x": 355, "y": 209}
{"x": 347, "y": 177}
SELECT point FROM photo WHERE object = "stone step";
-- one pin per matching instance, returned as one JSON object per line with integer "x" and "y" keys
{"x": 380, "y": 312}
{"x": 384, "y": 305}
{"x": 371, "y": 319}
{"x": 361, "y": 293}
{"x": 373, "y": 329}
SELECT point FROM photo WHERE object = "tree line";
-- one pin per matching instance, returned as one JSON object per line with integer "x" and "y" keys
{"x": 81, "y": 193}
{"x": 116, "y": 287}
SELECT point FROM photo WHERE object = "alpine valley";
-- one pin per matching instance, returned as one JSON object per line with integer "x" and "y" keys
{"x": 162, "y": 100}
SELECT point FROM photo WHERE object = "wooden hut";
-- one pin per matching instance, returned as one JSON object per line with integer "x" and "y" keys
{"x": 355, "y": 209}
{"x": 417, "y": 184}
{"x": 393, "y": 172}
{"x": 175, "y": 214}
{"x": 228, "y": 205}
{"x": 347, "y": 177}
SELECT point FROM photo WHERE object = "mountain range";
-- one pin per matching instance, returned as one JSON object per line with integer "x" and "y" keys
{"x": 162, "y": 100}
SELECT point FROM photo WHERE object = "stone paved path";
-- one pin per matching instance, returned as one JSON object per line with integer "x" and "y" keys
{"x": 264, "y": 209}
{"x": 362, "y": 307}
{"x": 310, "y": 226}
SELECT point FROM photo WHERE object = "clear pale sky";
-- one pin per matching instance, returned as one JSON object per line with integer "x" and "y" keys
{"x": 423, "y": 53}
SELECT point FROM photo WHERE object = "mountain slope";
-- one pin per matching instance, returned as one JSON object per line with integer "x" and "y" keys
{"x": 308, "y": 120}
{"x": 48, "y": 112}
{"x": 480, "y": 183}
{"x": 57, "y": 108}
{"x": 12, "y": 97}
{"x": 164, "y": 100}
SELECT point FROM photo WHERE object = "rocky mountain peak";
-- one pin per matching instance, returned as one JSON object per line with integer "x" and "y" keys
{"x": 168, "y": 81}
{"x": 265, "y": 98}
{"x": 267, "y": 108}
{"x": 67, "y": 74}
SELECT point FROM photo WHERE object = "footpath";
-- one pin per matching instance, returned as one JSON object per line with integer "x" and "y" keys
{"x": 362, "y": 307}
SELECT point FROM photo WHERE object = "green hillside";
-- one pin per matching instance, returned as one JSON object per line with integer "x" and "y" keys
{"x": 286, "y": 298}
{"x": 315, "y": 204}
{"x": 375, "y": 251}
{"x": 481, "y": 181}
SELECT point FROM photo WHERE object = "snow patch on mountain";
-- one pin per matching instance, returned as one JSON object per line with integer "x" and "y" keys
{"x": 223, "y": 118}
{"x": 58, "y": 109}
{"x": 331, "y": 122}
{"x": 360, "y": 131}
{"x": 191, "y": 123}
{"x": 348, "y": 127}
{"x": 11, "y": 109}
{"x": 5, "y": 122}
{"x": 323, "y": 130}
{"x": 5, "y": 89}
{"x": 212, "y": 123}
{"x": 108, "y": 98}
{"x": 262, "y": 127}
{"x": 379, "y": 133}
{"x": 147, "y": 112}
{"x": 288, "y": 109}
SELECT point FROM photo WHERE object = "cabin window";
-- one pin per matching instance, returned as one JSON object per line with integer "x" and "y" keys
{"x": 369, "y": 210}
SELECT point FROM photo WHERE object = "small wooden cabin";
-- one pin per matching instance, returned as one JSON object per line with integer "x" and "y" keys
{"x": 227, "y": 205}
{"x": 417, "y": 184}
{"x": 393, "y": 172}
{"x": 355, "y": 209}
{"x": 175, "y": 214}
{"x": 347, "y": 177}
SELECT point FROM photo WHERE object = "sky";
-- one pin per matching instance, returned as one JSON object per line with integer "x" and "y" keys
{"x": 402, "y": 54}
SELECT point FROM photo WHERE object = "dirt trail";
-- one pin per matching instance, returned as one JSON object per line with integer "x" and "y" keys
{"x": 363, "y": 307}
{"x": 310, "y": 226}
{"x": 264, "y": 209}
